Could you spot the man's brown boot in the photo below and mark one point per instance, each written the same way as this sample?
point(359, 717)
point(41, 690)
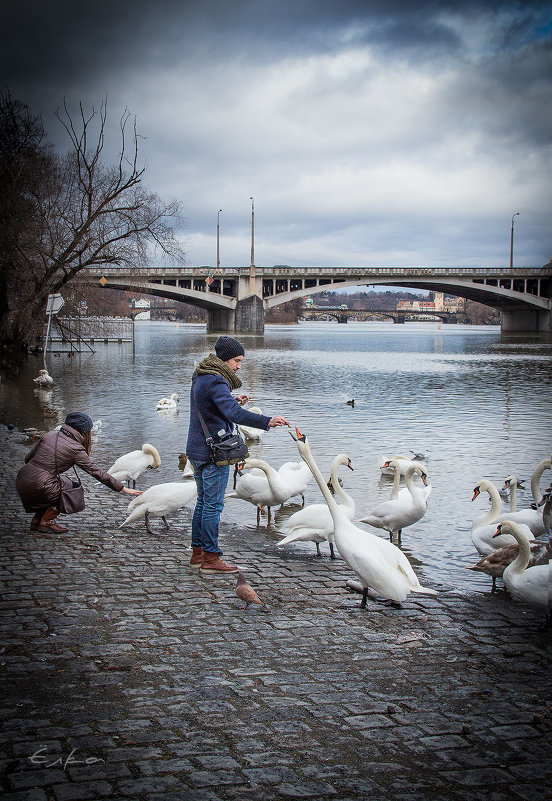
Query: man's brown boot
point(212, 563)
point(197, 557)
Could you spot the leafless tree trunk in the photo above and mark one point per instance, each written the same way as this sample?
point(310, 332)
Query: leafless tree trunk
point(68, 213)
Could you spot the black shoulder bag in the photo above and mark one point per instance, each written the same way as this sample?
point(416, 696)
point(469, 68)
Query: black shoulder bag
point(71, 499)
point(230, 450)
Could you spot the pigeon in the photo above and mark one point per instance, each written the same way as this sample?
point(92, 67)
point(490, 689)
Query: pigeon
point(246, 592)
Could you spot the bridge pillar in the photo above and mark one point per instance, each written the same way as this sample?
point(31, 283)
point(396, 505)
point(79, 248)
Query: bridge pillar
point(528, 320)
point(250, 315)
point(220, 321)
point(343, 318)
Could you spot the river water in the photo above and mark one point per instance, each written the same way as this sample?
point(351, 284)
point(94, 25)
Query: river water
point(475, 402)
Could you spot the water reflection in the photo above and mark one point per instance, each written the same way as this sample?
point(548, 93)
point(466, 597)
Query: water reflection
point(476, 403)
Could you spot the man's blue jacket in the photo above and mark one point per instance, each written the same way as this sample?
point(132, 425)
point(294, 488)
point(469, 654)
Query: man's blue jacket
point(220, 410)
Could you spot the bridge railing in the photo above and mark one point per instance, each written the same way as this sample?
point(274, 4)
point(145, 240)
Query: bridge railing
point(169, 272)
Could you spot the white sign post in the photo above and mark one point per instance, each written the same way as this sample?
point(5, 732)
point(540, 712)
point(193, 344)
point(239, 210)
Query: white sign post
point(54, 305)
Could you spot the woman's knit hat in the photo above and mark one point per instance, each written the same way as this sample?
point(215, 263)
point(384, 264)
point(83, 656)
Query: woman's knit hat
point(79, 421)
point(228, 347)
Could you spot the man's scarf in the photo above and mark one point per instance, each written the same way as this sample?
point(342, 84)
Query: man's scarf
point(212, 365)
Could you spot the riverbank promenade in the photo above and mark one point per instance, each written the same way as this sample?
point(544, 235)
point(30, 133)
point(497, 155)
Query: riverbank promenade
point(126, 674)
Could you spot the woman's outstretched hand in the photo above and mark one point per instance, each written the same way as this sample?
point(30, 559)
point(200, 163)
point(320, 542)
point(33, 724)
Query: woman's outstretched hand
point(129, 491)
point(274, 422)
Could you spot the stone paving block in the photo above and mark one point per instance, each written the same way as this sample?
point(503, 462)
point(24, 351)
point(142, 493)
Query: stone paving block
point(82, 790)
point(307, 790)
point(35, 778)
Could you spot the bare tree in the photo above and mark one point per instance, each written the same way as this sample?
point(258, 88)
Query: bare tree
point(69, 212)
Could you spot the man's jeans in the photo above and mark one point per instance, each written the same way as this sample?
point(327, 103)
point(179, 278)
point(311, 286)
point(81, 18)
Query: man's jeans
point(211, 485)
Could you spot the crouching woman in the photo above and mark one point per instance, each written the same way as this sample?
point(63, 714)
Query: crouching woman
point(38, 482)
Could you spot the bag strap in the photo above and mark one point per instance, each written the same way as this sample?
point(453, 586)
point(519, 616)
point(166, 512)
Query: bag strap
point(55, 459)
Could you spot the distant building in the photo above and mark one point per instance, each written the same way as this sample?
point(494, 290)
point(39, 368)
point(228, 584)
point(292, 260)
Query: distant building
point(141, 304)
point(442, 302)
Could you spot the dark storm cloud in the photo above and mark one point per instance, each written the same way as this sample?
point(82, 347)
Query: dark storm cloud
point(429, 119)
point(43, 43)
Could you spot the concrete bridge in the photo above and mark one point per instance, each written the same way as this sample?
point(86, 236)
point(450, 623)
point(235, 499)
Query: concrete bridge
point(343, 315)
point(236, 298)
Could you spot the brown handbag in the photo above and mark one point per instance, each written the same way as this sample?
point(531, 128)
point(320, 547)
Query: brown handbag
point(71, 499)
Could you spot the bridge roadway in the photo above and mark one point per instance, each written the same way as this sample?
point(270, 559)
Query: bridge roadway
point(237, 297)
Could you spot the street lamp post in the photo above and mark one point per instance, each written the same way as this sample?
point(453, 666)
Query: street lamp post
point(252, 267)
point(512, 241)
point(218, 238)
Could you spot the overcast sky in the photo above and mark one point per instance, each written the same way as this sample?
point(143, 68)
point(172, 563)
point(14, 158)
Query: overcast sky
point(369, 132)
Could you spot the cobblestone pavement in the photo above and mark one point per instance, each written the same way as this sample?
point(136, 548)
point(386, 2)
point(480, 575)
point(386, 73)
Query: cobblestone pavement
point(128, 675)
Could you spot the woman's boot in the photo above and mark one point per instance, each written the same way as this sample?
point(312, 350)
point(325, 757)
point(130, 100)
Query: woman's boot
point(35, 522)
point(48, 523)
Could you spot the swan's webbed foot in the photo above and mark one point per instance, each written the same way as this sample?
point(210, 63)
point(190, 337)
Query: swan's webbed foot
point(493, 588)
point(364, 598)
point(259, 508)
point(302, 500)
point(318, 549)
point(133, 484)
point(164, 519)
point(332, 551)
point(381, 599)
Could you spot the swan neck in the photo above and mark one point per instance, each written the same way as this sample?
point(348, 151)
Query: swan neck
point(339, 491)
point(270, 473)
point(396, 482)
point(319, 478)
point(524, 555)
point(536, 477)
point(496, 505)
point(513, 496)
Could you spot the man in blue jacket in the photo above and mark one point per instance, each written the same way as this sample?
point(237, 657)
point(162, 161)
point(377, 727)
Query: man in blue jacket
point(211, 392)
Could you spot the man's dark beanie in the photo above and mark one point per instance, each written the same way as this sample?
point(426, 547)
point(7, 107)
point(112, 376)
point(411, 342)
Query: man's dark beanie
point(228, 347)
point(79, 421)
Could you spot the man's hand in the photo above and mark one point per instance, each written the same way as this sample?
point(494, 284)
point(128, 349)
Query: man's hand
point(274, 422)
point(242, 399)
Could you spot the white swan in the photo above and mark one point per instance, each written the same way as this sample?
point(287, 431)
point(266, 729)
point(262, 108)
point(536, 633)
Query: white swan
point(296, 475)
point(96, 427)
point(496, 562)
point(529, 517)
point(385, 464)
point(482, 529)
point(159, 501)
point(530, 585)
point(264, 486)
point(164, 404)
point(44, 379)
point(252, 434)
point(314, 523)
point(404, 492)
point(378, 563)
point(406, 509)
point(131, 465)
